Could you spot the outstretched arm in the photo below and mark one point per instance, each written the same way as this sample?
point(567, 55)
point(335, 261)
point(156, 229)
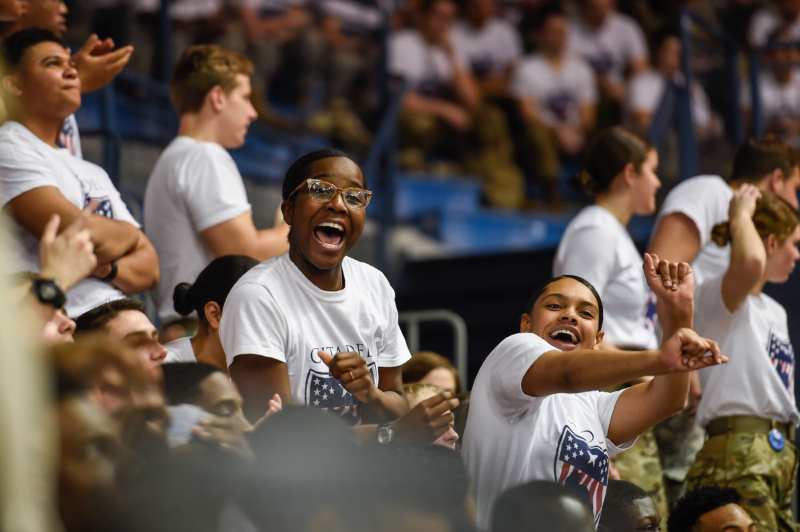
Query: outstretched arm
point(259, 378)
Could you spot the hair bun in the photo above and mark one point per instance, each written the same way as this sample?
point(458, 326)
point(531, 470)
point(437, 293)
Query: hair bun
point(721, 234)
point(583, 182)
point(182, 299)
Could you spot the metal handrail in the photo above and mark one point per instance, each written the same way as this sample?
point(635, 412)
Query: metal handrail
point(414, 318)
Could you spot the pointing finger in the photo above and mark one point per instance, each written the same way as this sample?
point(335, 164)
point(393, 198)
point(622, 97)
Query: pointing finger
point(51, 230)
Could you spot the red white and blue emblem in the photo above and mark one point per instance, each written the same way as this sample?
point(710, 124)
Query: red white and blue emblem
point(584, 467)
point(781, 354)
point(324, 391)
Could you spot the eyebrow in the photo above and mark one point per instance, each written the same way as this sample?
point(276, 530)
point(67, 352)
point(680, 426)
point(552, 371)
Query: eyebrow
point(139, 333)
point(352, 182)
point(562, 296)
point(52, 57)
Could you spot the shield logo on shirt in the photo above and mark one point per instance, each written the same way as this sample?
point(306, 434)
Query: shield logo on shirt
point(584, 467)
point(104, 209)
point(324, 391)
point(781, 354)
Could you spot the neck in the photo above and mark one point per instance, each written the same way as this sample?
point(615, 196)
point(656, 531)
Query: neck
point(207, 347)
point(617, 204)
point(783, 76)
point(330, 280)
point(46, 129)
point(477, 24)
point(554, 57)
point(199, 128)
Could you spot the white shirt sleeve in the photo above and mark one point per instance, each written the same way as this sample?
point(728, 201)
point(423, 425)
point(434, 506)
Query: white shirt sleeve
point(643, 94)
point(253, 324)
point(400, 57)
point(635, 43)
point(590, 255)
point(522, 83)
point(393, 350)
point(606, 402)
point(23, 168)
point(213, 189)
point(514, 357)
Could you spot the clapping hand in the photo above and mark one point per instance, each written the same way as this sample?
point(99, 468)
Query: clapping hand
point(98, 63)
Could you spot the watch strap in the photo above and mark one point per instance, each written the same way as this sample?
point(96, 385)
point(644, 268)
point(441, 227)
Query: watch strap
point(111, 276)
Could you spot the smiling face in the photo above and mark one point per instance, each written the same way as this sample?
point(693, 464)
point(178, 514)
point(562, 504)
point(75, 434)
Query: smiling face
point(46, 83)
point(781, 257)
point(323, 233)
point(645, 185)
point(238, 114)
point(566, 315)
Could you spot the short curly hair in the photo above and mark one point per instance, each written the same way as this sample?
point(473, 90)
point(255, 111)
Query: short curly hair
point(698, 502)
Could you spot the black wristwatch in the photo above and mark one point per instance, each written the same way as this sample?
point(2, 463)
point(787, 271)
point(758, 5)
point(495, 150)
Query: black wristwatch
point(386, 434)
point(111, 276)
point(48, 292)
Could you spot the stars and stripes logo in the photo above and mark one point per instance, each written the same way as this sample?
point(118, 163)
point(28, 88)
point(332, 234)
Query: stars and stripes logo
point(650, 309)
point(66, 139)
point(781, 354)
point(103, 209)
point(583, 467)
point(324, 391)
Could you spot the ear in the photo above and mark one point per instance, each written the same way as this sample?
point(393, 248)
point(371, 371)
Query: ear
point(216, 99)
point(525, 323)
point(213, 314)
point(12, 86)
point(770, 244)
point(287, 208)
point(629, 174)
point(598, 340)
point(774, 181)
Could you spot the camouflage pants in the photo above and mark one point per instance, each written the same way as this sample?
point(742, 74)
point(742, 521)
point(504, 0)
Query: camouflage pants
point(764, 477)
point(641, 465)
point(485, 150)
point(679, 440)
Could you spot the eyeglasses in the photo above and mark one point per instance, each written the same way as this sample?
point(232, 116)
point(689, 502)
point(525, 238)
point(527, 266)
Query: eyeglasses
point(355, 199)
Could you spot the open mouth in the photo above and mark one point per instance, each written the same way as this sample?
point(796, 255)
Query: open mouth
point(564, 339)
point(330, 234)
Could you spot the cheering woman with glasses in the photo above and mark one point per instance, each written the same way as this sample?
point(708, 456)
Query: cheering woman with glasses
point(313, 325)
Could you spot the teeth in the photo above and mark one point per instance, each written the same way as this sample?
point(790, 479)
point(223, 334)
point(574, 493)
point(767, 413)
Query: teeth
point(334, 225)
point(564, 331)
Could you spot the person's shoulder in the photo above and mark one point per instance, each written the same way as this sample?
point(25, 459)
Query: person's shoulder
point(531, 64)
point(777, 310)
point(591, 216)
point(501, 26)
point(702, 184)
point(366, 273)
point(14, 135)
point(405, 37)
point(622, 22)
point(524, 339)
point(576, 63)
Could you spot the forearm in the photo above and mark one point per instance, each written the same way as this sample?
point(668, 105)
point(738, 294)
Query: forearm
point(259, 379)
point(748, 255)
point(112, 239)
point(272, 242)
point(584, 370)
point(466, 88)
point(384, 407)
point(139, 270)
point(640, 407)
point(422, 104)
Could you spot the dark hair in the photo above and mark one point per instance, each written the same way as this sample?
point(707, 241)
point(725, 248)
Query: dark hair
point(698, 502)
point(620, 495)
point(659, 37)
point(297, 173)
point(533, 507)
point(182, 381)
point(97, 318)
point(213, 284)
point(755, 159)
point(426, 5)
point(547, 10)
point(15, 45)
point(608, 155)
point(539, 291)
point(773, 216)
point(423, 363)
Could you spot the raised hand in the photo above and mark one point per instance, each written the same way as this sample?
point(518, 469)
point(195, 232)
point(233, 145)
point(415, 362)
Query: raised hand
point(351, 370)
point(687, 351)
point(98, 63)
point(275, 406)
point(743, 202)
point(68, 257)
point(426, 422)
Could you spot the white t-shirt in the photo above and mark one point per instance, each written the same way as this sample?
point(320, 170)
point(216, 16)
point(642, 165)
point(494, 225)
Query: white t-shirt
point(611, 47)
point(765, 22)
point(180, 350)
point(357, 19)
point(759, 379)
point(426, 69)
point(26, 163)
point(779, 101)
point(512, 438)
point(558, 93)
point(194, 186)
point(705, 200)
point(646, 89)
point(598, 248)
point(70, 138)
point(276, 312)
point(183, 10)
point(488, 50)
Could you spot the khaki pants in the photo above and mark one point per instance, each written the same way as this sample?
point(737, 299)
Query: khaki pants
point(764, 477)
point(485, 150)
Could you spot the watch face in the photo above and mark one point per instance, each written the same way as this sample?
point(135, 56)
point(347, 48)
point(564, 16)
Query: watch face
point(48, 291)
point(385, 435)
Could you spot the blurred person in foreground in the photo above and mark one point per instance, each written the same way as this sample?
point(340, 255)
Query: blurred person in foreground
point(443, 109)
point(195, 205)
point(541, 506)
point(711, 509)
point(628, 508)
point(96, 61)
point(39, 179)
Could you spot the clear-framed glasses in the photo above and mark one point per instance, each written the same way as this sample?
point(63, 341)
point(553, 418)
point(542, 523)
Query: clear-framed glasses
point(320, 191)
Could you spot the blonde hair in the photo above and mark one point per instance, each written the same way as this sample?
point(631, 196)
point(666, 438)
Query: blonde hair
point(773, 216)
point(200, 69)
point(415, 390)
